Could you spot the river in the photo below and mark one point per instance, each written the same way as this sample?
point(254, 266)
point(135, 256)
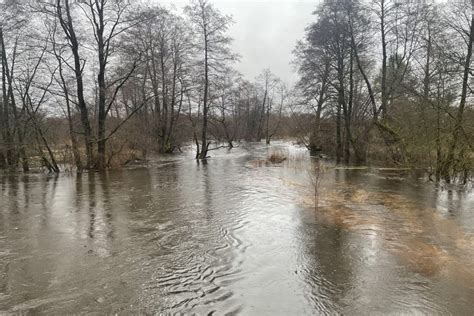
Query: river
point(235, 235)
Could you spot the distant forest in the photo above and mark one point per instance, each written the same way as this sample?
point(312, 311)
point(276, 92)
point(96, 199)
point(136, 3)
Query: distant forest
point(94, 84)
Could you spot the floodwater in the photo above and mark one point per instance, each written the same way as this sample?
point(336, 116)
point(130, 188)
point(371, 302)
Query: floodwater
point(235, 235)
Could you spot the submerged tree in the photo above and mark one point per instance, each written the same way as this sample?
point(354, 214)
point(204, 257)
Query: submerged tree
point(213, 44)
point(405, 102)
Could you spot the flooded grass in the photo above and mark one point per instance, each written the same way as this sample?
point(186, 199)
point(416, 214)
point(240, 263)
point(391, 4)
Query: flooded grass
point(422, 243)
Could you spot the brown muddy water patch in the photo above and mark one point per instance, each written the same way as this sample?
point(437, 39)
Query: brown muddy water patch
point(418, 236)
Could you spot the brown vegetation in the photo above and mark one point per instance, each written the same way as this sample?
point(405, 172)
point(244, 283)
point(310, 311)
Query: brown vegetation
point(276, 158)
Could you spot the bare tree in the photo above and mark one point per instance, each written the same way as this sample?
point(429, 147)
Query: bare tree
point(210, 28)
point(64, 15)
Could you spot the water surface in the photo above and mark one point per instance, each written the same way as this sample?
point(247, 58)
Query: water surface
point(236, 235)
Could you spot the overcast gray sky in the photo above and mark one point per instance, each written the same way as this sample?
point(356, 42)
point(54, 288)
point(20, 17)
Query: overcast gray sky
point(265, 32)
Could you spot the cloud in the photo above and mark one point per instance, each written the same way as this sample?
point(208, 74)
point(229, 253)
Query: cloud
point(265, 32)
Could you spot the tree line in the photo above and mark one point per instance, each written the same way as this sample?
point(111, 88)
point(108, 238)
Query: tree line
point(94, 83)
point(391, 80)
point(85, 81)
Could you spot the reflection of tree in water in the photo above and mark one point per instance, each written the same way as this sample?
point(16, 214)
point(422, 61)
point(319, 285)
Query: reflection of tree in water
point(49, 191)
point(30, 213)
point(192, 255)
point(392, 235)
point(99, 209)
point(346, 264)
point(326, 267)
point(92, 203)
point(4, 252)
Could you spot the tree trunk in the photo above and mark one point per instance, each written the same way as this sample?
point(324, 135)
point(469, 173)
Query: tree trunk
point(449, 166)
point(204, 144)
point(384, 97)
point(314, 143)
point(261, 116)
point(69, 31)
point(101, 127)
point(267, 127)
point(338, 134)
point(7, 135)
point(72, 135)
